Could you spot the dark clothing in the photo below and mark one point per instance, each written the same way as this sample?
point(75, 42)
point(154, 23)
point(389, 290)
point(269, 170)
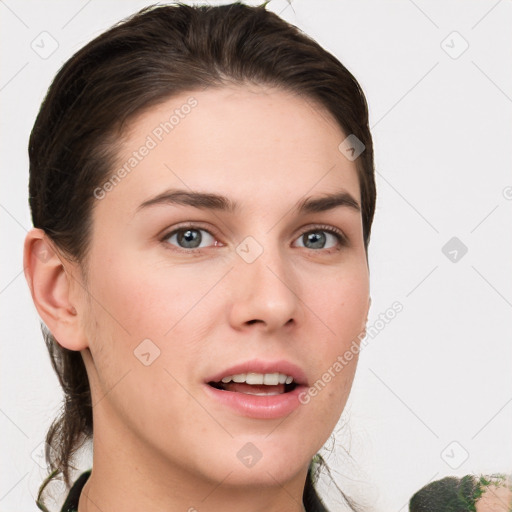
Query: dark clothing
point(71, 503)
point(311, 500)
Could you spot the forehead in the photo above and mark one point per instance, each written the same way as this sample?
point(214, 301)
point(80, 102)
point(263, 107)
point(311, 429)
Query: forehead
point(252, 143)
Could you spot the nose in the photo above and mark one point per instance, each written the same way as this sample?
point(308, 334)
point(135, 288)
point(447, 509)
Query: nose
point(265, 292)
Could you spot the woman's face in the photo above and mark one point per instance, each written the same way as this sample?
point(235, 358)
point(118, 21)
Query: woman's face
point(264, 287)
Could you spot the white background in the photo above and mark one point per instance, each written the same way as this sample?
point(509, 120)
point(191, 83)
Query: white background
point(441, 371)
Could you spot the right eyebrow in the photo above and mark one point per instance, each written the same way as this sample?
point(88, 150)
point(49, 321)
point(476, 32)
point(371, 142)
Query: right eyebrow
point(202, 200)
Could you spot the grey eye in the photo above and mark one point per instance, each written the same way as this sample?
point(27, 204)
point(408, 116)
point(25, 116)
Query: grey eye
point(316, 239)
point(188, 238)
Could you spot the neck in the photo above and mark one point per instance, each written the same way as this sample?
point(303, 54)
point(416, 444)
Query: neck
point(129, 475)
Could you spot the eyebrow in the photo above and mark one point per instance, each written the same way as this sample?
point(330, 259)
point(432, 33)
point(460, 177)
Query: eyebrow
point(210, 201)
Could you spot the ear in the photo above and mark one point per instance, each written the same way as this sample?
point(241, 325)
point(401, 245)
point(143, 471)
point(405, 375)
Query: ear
point(363, 328)
point(49, 283)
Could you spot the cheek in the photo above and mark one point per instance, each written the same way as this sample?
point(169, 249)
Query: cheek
point(342, 305)
point(129, 307)
point(141, 309)
point(326, 399)
point(143, 302)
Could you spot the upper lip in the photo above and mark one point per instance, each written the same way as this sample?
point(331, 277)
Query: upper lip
point(260, 366)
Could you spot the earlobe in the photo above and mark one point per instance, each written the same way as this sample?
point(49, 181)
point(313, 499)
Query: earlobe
point(363, 329)
point(49, 285)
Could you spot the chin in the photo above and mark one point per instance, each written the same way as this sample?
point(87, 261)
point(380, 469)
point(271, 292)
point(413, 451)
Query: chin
point(262, 460)
point(264, 474)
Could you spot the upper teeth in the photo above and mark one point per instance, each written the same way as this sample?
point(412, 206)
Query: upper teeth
point(270, 379)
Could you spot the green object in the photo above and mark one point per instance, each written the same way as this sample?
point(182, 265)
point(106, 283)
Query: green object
point(452, 494)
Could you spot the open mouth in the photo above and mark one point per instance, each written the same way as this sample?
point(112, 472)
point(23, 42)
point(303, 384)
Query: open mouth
point(256, 384)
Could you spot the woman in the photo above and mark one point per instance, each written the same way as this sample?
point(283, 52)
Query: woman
point(202, 193)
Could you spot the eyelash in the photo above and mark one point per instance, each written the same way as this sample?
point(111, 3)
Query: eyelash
point(342, 240)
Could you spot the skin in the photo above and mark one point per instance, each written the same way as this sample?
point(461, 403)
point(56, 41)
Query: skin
point(496, 498)
point(159, 442)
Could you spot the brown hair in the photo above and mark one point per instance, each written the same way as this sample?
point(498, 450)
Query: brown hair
point(159, 52)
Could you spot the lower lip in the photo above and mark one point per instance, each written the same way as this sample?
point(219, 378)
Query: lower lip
point(261, 407)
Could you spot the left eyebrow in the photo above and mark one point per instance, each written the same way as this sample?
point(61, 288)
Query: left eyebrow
point(327, 202)
point(210, 201)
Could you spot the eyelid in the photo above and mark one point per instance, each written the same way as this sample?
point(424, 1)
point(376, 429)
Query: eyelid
point(186, 225)
point(342, 238)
